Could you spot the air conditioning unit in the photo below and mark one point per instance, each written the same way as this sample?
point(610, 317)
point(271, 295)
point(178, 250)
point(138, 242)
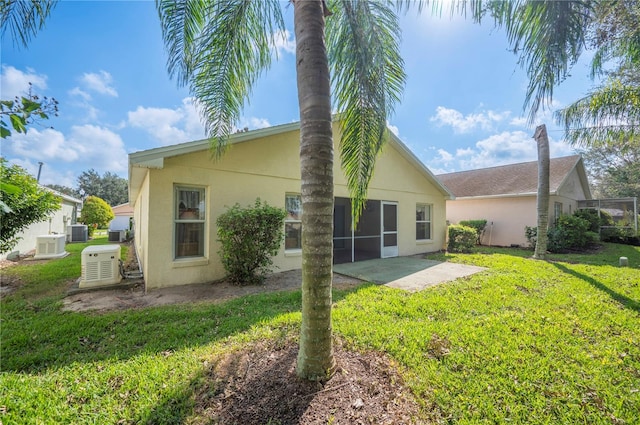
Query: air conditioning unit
point(50, 246)
point(100, 266)
point(77, 233)
point(116, 235)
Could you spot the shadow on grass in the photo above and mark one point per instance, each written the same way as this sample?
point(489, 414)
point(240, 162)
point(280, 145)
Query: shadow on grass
point(36, 337)
point(622, 299)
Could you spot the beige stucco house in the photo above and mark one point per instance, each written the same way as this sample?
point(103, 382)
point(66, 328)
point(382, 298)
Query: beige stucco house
point(506, 196)
point(178, 192)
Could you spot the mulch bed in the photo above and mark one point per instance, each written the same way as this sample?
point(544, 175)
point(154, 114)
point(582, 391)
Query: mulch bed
point(258, 385)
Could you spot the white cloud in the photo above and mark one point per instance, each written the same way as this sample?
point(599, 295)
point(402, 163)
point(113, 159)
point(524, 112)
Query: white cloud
point(169, 126)
point(395, 130)
point(48, 174)
point(253, 123)
point(14, 82)
point(78, 92)
point(466, 123)
point(519, 122)
point(99, 82)
point(87, 146)
point(508, 147)
point(284, 42)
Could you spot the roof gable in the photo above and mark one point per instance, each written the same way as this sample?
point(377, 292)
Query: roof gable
point(513, 179)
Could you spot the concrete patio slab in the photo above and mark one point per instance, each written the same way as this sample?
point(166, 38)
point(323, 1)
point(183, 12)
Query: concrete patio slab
point(408, 273)
point(443, 272)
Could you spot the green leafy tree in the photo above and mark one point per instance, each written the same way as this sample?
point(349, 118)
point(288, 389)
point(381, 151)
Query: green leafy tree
point(25, 111)
point(614, 169)
point(96, 213)
point(110, 187)
point(24, 202)
point(219, 48)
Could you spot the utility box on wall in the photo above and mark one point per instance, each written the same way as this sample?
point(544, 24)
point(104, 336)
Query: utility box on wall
point(100, 266)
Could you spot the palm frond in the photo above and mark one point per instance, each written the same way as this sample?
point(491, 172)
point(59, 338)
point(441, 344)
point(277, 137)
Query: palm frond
point(219, 49)
point(24, 18)
point(609, 114)
point(368, 78)
point(549, 37)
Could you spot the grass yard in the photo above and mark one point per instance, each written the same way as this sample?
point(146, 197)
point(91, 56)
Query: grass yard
point(523, 342)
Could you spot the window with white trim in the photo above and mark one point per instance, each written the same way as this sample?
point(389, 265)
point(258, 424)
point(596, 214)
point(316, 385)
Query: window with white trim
point(189, 221)
point(423, 221)
point(293, 222)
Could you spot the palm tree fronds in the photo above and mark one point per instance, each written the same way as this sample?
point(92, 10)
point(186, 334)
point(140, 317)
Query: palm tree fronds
point(363, 40)
point(24, 18)
point(609, 114)
point(549, 36)
point(219, 48)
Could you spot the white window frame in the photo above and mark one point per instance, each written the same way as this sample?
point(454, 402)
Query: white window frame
point(199, 216)
point(289, 220)
point(429, 221)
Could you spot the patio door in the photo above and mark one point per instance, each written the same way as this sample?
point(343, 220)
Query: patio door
point(389, 227)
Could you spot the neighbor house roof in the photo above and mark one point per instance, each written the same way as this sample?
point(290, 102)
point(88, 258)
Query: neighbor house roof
point(154, 158)
point(514, 179)
point(123, 209)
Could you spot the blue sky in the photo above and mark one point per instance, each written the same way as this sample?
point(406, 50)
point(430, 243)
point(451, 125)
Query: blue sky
point(106, 64)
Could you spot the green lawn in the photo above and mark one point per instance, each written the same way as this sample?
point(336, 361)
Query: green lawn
point(523, 342)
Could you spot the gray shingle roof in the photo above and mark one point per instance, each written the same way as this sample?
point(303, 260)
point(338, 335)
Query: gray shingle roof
point(512, 179)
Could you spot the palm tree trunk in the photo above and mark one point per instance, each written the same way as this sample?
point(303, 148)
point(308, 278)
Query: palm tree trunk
point(543, 191)
point(315, 357)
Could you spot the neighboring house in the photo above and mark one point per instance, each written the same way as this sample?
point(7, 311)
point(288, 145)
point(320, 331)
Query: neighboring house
point(506, 196)
point(179, 191)
point(56, 224)
point(123, 216)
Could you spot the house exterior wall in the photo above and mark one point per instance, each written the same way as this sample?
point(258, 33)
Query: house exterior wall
point(267, 168)
point(141, 224)
point(56, 224)
point(506, 217)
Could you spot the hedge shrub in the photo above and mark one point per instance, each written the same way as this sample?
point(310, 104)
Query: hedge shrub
point(461, 238)
point(250, 237)
point(478, 225)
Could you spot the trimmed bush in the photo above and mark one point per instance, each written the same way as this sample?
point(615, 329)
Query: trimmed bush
point(570, 232)
point(461, 238)
point(478, 225)
point(96, 213)
point(250, 237)
point(531, 233)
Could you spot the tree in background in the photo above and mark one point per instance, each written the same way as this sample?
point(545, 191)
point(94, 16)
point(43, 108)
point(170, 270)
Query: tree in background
point(96, 213)
point(110, 187)
point(24, 203)
point(614, 169)
point(65, 190)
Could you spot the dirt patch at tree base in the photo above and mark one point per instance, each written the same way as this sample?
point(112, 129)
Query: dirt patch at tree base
point(259, 385)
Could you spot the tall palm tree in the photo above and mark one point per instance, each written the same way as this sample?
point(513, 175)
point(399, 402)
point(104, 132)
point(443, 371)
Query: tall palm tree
point(219, 48)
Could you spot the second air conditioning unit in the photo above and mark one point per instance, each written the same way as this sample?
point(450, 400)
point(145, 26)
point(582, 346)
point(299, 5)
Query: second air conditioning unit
point(50, 246)
point(77, 233)
point(100, 266)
